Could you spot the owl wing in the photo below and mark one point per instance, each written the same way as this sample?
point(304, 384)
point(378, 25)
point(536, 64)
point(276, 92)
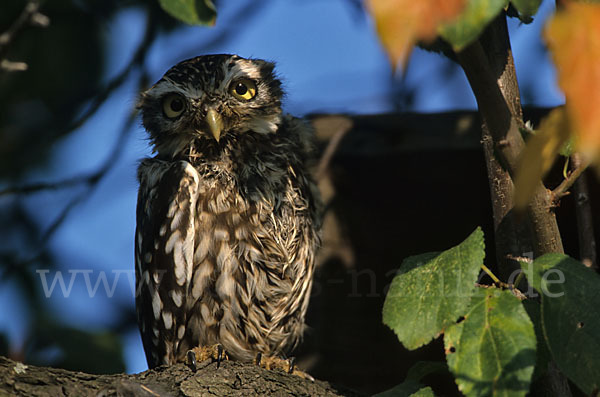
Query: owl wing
point(164, 251)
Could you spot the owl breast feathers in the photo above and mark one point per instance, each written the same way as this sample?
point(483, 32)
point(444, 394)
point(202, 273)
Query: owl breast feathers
point(227, 213)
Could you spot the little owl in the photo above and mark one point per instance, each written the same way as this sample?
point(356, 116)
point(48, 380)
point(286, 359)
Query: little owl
point(227, 214)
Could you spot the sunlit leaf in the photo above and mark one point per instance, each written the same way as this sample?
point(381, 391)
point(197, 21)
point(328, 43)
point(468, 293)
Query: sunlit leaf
point(400, 23)
point(193, 12)
point(568, 148)
point(471, 22)
point(432, 291)
point(492, 351)
point(573, 36)
point(539, 154)
point(570, 319)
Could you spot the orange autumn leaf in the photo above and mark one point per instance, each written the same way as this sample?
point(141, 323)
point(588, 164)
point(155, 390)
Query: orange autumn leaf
point(400, 23)
point(573, 36)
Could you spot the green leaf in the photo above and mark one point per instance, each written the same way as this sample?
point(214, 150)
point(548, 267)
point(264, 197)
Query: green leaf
point(570, 316)
point(492, 351)
point(424, 392)
point(423, 368)
point(527, 8)
point(473, 20)
point(568, 148)
point(432, 291)
point(407, 389)
point(543, 356)
point(193, 12)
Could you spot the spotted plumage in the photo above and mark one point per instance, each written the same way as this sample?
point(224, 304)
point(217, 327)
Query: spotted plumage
point(227, 214)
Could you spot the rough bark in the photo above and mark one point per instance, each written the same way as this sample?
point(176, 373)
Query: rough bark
point(487, 67)
point(512, 236)
point(231, 379)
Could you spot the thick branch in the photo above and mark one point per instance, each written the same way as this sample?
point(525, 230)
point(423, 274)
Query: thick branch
point(512, 236)
point(489, 67)
point(231, 379)
point(484, 70)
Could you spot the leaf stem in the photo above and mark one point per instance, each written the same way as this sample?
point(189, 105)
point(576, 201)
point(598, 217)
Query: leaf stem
point(491, 274)
point(518, 280)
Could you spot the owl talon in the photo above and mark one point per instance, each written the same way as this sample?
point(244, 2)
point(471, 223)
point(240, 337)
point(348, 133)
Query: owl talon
point(220, 354)
point(258, 359)
point(191, 360)
point(292, 363)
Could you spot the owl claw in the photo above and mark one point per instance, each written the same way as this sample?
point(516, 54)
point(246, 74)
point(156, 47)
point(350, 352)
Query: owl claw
point(203, 353)
point(258, 359)
point(220, 354)
point(292, 363)
point(191, 360)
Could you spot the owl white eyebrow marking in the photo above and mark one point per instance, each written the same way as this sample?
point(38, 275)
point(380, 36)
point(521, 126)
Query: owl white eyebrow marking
point(238, 70)
point(168, 86)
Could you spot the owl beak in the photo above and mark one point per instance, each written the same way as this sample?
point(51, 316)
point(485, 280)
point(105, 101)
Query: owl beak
point(215, 123)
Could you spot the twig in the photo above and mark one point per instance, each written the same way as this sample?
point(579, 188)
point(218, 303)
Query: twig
point(30, 16)
point(92, 182)
point(36, 187)
point(331, 148)
point(563, 189)
point(10, 66)
point(136, 61)
point(583, 211)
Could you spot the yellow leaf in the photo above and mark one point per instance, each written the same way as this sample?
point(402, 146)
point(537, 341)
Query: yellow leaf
point(400, 23)
point(539, 154)
point(573, 36)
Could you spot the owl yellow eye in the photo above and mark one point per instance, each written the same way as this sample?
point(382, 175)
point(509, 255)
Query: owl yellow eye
point(173, 105)
point(243, 89)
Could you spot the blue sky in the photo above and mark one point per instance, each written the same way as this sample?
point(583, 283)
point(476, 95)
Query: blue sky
point(329, 59)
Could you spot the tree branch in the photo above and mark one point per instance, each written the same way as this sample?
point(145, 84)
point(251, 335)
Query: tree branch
point(339, 126)
point(485, 70)
point(489, 67)
point(30, 16)
point(231, 379)
point(136, 61)
point(579, 166)
point(583, 211)
point(512, 237)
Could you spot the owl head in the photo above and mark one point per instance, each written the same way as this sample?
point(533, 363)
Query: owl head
point(211, 100)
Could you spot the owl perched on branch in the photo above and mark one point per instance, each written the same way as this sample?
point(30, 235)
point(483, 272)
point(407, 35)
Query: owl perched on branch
point(227, 213)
